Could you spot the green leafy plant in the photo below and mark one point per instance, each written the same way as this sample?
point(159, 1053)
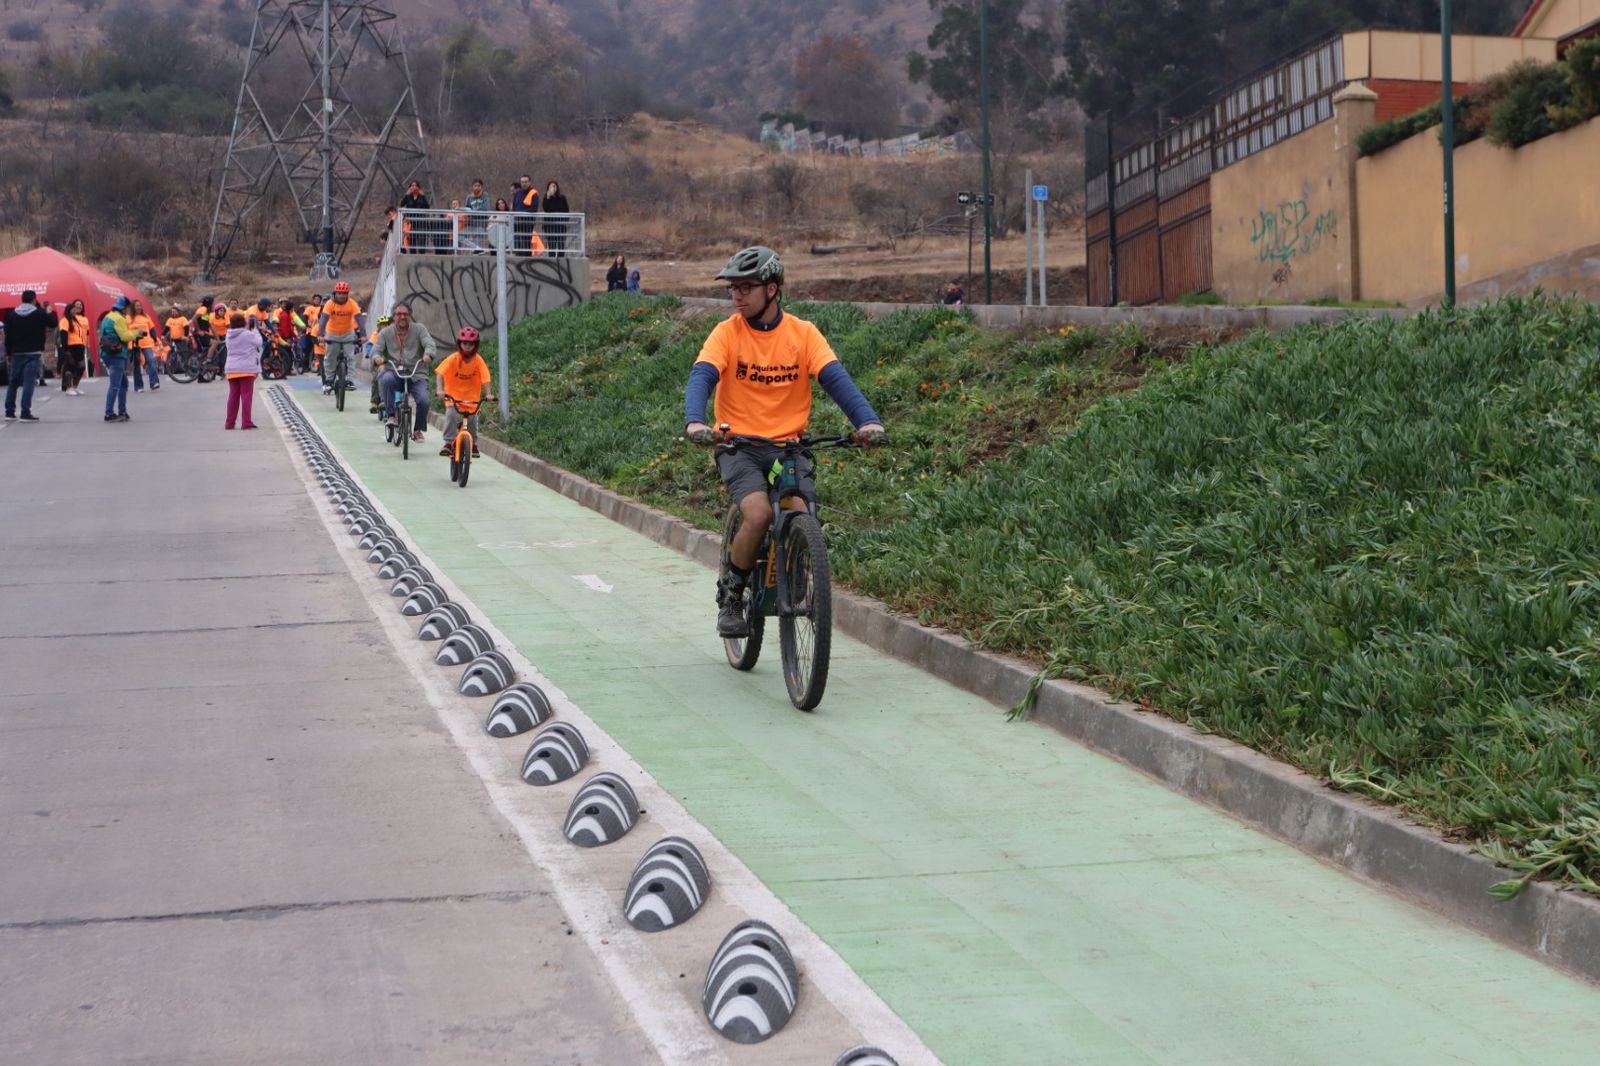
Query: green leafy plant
point(1524, 95)
point(1582, 64)
point(1367, 549)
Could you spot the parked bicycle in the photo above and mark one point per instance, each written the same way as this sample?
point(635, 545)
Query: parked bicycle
point(183, 361)
point(791, 578)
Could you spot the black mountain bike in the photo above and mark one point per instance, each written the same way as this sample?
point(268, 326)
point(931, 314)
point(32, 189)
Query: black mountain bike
point(399, 434)
point(340, 377)
point(790, 578)
point(183, 361)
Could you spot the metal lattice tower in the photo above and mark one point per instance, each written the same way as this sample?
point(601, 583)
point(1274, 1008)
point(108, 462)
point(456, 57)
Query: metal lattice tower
point(331, 155)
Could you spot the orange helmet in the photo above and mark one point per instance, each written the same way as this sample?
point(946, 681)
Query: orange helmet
point(341, 288)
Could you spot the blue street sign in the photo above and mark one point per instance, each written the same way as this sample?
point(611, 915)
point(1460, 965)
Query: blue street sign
point(1041, 192)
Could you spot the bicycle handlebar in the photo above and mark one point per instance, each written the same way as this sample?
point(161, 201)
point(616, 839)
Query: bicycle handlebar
point(461, 405)
point(726, 441)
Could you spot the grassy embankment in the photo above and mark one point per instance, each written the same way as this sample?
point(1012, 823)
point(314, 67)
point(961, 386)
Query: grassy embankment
point(1369, 550)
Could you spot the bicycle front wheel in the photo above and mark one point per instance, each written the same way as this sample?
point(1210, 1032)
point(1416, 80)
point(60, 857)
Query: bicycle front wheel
point(742, 652)
point(338, 385)
point(805, 627)
point(180, 366)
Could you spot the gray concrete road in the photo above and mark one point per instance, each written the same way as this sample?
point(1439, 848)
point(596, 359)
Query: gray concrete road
point(232, 832)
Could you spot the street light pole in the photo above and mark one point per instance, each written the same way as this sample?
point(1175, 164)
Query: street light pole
point(988, 197)
point(1447, 111)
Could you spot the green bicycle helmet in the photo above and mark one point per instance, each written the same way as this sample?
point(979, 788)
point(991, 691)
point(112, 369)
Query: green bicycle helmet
point(756, 263)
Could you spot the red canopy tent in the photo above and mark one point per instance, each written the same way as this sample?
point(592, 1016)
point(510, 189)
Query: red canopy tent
point(59, 279)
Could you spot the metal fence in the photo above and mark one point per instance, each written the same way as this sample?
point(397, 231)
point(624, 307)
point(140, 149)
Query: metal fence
point(460, 232)
point(1162, 207)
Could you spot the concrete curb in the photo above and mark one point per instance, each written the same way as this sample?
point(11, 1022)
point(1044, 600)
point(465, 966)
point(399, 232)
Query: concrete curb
point(1370, 841)
point(1015, 316)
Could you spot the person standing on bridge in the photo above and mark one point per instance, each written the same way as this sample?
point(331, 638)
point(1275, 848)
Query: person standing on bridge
point(405, 347)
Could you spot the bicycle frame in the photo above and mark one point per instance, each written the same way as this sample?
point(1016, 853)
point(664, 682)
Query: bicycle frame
point(772, 552)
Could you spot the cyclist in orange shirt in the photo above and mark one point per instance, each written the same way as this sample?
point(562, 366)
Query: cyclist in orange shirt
point(340, 327)
point(464, 377)
point(761, 361)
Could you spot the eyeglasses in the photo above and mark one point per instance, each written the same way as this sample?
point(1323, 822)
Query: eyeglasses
point(744, 288)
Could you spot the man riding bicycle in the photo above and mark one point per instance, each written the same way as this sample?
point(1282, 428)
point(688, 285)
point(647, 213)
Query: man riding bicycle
point(405, 347)
point(340, 326)
point(463, 378)
point(761, 361)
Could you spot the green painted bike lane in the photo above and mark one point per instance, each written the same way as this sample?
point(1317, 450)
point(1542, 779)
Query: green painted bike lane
point(1015, 898)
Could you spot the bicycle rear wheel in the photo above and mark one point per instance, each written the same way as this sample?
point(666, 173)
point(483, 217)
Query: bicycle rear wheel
point(742, 652)
point(805, 633)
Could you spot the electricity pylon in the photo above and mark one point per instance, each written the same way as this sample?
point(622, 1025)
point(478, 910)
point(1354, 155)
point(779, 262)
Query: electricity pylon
point(331, 151)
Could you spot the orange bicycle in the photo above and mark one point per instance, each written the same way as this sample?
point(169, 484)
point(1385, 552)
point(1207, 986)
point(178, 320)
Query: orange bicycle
point(466, 444)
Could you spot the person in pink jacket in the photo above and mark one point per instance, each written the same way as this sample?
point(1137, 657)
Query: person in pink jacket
point(244, 363)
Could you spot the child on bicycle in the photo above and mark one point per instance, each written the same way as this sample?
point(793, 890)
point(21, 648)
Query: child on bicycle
point(377, 363)
point(463, 378)
point(761, 361)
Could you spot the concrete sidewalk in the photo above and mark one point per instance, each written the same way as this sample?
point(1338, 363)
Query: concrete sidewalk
point(233, 832)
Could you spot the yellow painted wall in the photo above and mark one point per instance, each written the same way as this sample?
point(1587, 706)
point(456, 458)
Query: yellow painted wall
point(1514, 207)
point(1419, 57)
point(1280, 221)
point(1556, 18)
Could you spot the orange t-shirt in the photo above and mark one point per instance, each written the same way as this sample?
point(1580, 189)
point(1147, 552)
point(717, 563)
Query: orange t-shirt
point(341, 317)
point(764, 377)
point(463, 381)
point(76, 334)
point(177, 327)
point(143, 322)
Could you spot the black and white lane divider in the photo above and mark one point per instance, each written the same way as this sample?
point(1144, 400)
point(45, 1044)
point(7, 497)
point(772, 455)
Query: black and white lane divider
point(667, 887)
point(558, 751)
point(464, 644)
point(486, 675)
point(751, 988)
point(865, 1055)
point(518, 709)
point(603, 809)
point(442, 621)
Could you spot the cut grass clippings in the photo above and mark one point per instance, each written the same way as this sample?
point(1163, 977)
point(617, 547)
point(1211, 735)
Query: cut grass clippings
point(1368, 549)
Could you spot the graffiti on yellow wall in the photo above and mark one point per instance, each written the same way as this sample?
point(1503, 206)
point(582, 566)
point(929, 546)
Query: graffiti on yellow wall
point(1289, 230)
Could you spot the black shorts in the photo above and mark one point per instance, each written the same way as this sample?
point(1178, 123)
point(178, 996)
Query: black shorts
point(745, 471)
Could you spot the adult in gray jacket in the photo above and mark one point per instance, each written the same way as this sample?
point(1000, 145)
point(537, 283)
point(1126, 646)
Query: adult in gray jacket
point(405, 348)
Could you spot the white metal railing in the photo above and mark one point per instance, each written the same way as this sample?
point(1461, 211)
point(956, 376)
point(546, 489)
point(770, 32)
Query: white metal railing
point(454, 231)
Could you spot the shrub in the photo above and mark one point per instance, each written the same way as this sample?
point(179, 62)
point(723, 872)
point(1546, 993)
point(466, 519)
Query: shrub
point(24, 31)
point(1470, 119)
point(165, 108)
point(1582, 63)
point(1524, 95)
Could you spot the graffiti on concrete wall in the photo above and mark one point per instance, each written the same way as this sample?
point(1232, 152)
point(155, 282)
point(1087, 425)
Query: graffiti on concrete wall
point(448, 292)
point(1289, 230)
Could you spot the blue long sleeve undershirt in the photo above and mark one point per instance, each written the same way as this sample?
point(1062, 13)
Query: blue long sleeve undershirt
point(834, 378)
